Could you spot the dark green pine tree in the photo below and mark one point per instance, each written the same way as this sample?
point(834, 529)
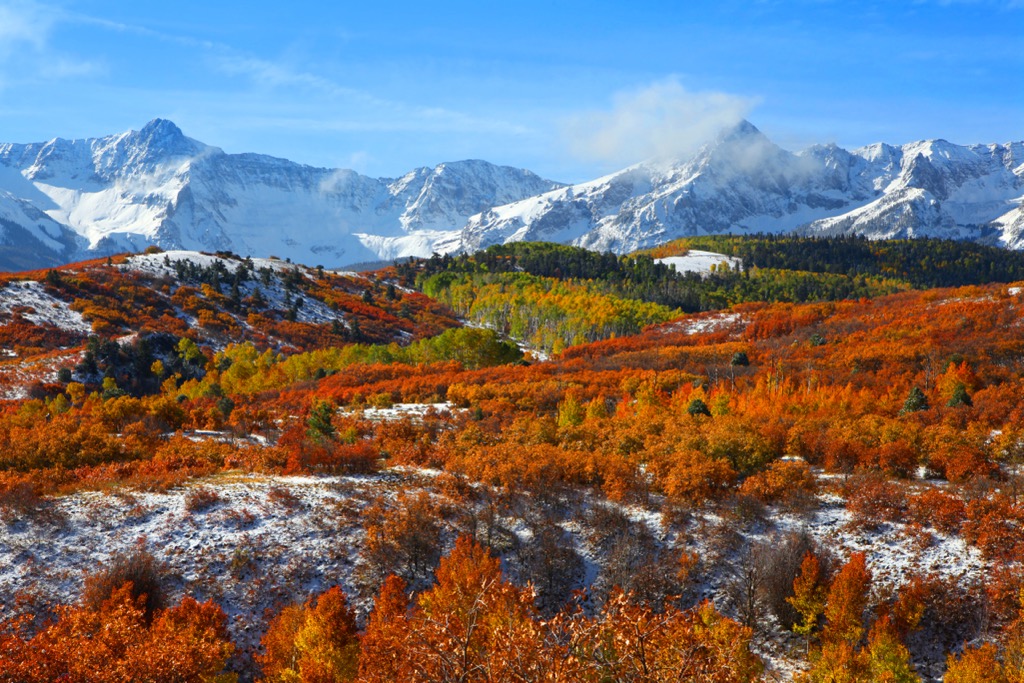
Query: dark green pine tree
point(915, 401)
point(960, 397)
point(698, 407)
point(319, 425)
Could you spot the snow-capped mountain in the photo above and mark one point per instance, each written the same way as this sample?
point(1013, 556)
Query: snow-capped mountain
point(66, 200)
point(742, 183)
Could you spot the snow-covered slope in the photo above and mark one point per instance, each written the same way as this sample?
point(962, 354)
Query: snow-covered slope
point(696, 261)
point(935, 188)
point(66, 200)
point(742, 182)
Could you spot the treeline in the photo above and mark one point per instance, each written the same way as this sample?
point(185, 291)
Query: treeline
point(242, 368)
point(545, 312)
point(921, 263)
point(799, 269)
point(641, 277)
point(552, 296)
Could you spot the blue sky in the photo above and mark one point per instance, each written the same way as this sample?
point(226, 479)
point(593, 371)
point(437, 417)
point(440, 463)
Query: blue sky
point(567, 89)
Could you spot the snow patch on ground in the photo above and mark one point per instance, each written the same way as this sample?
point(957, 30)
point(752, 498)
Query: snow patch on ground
point(266, 541)
point(35, 304)
point(401, 411)
point(702, 324)
point(311, 311)
point(894, 551)
point(695, 261)
point(16, 376)
point(162, 263)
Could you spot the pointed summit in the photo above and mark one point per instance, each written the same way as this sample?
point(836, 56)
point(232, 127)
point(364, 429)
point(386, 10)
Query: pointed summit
point(743, 149)
point(739, 132)
point(161, 127)
point(162, 138)
point(743, 128)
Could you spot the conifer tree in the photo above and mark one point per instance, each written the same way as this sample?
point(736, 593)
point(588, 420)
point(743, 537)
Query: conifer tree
point(960, 396)
point(320, 425)
point(915, 402)
point(698, 407)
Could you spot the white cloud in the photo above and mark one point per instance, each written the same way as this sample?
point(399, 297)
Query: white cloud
point(658, 121)
point(275, 75)
point(23, 24)
point(359, 160)
point(342, 108)
point(62, 67)
point(338, 181)
point(27, 52)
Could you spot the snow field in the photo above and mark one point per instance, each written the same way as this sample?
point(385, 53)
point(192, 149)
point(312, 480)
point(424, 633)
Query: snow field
point(400, 411)
point(695, 261)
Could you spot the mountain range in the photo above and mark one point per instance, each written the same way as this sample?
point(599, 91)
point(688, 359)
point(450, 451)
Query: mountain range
point(66, 200)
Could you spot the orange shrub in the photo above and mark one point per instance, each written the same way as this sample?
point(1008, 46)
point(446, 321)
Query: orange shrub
point(938, 509)
point(874, 500)
point(785, 482)
point(188, 643)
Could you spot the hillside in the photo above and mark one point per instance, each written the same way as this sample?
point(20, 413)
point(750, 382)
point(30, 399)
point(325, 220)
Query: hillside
point(551, 296)
point(151, 304)
point(858, 455)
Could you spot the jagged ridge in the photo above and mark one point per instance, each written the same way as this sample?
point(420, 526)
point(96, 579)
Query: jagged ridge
point(75, 199)
point(744, 183)
point(66, 200)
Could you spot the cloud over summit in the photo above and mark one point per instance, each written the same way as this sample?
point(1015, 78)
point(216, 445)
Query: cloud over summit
point(661, 120)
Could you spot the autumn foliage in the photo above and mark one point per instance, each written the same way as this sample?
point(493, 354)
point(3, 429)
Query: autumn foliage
point(316, 642)
point(642, 406)
point(475, 626)
point(116, 643)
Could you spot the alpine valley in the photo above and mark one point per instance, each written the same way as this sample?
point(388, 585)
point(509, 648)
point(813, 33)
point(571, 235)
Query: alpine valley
point(68, 200)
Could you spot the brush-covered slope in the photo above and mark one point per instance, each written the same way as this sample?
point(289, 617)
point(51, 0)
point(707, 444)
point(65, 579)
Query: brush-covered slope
point(49, 319)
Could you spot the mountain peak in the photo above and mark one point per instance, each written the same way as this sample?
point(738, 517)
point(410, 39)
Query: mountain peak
point(735, 143)
point(158, 186)
point(740, 131)
point(161, 127)
point(162, 137)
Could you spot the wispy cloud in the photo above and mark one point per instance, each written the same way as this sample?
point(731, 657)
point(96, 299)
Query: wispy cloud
point(271, 74)
point(23, 25)
point(144, 31)
point(58, 68)
point(29, 53)
point(343, 108)
point(663, 119)
point(26, 49)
